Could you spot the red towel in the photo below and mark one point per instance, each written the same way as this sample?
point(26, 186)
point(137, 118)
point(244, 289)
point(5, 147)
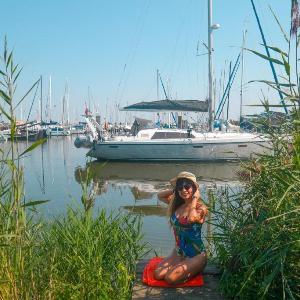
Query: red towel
point(148, 276)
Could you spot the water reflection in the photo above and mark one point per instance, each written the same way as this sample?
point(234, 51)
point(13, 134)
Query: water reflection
point(145, 179)
point(147, 210)
point(213, 171)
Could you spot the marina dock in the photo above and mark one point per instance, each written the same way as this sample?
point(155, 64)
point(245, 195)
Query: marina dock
point(208, 291)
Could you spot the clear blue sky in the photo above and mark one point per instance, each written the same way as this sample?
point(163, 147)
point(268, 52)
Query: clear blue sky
point(113, 48)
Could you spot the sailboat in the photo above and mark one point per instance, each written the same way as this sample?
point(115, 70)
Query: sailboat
point(55, 129)
point(166, 144)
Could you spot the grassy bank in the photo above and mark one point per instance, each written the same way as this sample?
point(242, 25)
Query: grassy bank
point(76, 256)
point(257, 241)
point(82, 255)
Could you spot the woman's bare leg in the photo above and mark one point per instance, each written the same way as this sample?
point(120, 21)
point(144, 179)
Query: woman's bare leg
point(166, 264)
point(186, 269)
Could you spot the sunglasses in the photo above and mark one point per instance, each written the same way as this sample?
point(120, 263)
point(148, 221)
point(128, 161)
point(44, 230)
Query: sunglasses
point(184, 185)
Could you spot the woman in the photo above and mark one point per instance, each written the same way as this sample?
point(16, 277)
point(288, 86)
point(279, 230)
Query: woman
point(187, 213)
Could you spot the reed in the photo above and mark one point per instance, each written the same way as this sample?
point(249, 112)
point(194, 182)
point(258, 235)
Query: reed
point(257, 237)
point(15, 226)
point(86, 257)
point(257, 232)
point(82, 255)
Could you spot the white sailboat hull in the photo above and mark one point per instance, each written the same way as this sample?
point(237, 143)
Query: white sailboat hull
point(220, 147)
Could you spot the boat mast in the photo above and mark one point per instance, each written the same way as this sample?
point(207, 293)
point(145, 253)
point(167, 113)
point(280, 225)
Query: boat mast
point(50, 104)
point(68, 108)
point(41, 99)
point(210, 69)
point(64, 106)
point(157, 84)
point(242, 75)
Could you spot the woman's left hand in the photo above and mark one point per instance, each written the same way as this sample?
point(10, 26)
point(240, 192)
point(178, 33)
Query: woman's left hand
point(202, 211)
point(199, 208)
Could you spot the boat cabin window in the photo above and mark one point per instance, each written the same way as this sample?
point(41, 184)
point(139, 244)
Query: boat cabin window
point(171, 135)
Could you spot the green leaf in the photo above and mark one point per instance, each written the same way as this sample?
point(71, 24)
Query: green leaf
point(27, 92)
point(9, 59)
point(12, 128)
point(274, 83)
point(5, 97)
point(285, 193)
point(5, 48)
point(34, 145)
point(278, 50)
point(270, 105)
point(287, 66)
point(14, 69)
point(8, 236)
point(16, 77)
point(274, 60)
point(276, 88)
point(292, 98)
point(281, 28)
point(2, 73)
point(5, 113)
point(34, 203)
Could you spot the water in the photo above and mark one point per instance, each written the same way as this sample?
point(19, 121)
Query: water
point(55, 171)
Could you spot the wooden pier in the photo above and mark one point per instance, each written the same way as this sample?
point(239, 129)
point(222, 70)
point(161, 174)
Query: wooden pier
point(208, 291)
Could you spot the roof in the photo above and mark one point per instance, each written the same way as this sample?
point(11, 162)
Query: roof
point(169, 105)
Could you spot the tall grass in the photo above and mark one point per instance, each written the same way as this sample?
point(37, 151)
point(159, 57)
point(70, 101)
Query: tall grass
point(85, 257)
point(82, 255)
point(257, 236)
point(257, 240)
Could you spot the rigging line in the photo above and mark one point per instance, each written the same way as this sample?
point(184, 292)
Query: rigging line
point(178, 37)
point(181, 25)
point(163, 87)
point(37, 86)
point(132, 53)
point(169, 62)
point(135, 49)
point(126, 61)
point(228, 87)
point(171, 58)
point(227, 98)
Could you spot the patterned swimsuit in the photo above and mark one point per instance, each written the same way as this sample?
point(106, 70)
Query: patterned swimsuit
point(187, 237)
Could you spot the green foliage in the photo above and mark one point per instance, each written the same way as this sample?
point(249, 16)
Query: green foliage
point(257, 229)
point(84, 257)
point(77, 256)
point(257, 237)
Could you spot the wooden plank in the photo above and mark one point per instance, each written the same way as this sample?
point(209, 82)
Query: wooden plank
point(208, 291)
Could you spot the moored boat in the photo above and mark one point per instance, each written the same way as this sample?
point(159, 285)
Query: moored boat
point(57, 131)
point(179, 145)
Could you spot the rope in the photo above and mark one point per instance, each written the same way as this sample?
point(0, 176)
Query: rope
point(37, 86)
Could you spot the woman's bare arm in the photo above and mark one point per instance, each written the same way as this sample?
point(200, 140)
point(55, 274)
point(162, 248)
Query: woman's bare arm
point(166, 195)
point(200, 209)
